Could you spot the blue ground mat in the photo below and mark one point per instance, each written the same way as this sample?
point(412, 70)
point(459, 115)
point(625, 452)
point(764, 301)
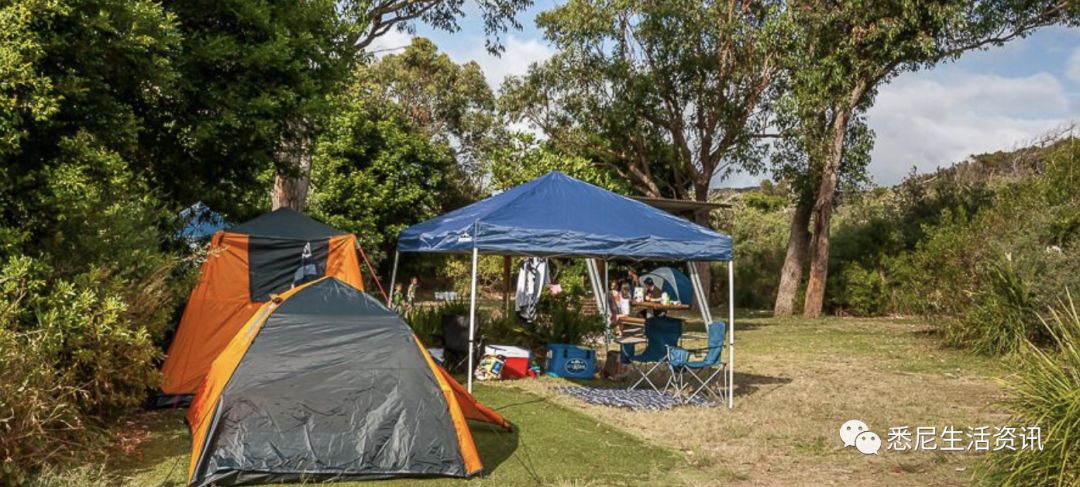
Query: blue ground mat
point(635, 399)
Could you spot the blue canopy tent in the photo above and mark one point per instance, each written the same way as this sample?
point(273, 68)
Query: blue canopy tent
point(557, 215)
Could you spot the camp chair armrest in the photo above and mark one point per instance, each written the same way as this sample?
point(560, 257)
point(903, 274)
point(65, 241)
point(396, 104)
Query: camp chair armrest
point(704, 349)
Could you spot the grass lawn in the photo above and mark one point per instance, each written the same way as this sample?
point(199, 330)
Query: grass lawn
point(797, 382)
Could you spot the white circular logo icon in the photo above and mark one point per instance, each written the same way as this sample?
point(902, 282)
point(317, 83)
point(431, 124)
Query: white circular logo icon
point(868, 443)
point(851, 429)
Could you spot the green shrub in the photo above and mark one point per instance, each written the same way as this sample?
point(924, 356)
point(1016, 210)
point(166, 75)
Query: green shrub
point(1001, 316)
point(1045, 393)
point(859, 291)
point(560, 319)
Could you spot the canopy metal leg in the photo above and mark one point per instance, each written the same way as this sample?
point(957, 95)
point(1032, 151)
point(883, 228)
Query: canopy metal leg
point(606, 311)
point(731, 333)
point(393, 278)
point(472, 320)
point(701, 295)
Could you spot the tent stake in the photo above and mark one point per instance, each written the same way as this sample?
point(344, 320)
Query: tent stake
point(472, 319)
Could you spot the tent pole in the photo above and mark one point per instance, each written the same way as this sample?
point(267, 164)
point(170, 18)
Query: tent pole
point(731, 333)
point(506, 285)
point(606, 311)
point(393, 278)
point(472, 320)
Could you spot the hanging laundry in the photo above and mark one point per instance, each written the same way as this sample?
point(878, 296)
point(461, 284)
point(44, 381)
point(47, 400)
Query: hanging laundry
point(532, 278)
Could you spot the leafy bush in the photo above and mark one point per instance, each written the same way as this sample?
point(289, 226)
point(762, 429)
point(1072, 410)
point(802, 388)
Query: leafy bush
point(1046, 393)
point(426, 322)
point(560, 319)
point(1001, 317)
point(88, 294)
point(74, 356)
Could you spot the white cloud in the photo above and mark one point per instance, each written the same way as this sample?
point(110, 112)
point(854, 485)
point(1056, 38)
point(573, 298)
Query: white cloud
point(927, 120)
point(1072, 66)
point(519, 54)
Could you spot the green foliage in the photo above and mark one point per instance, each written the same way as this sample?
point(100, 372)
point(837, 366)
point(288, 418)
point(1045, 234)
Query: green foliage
point(761, 235)
point(560, 319)
point(525, 159)
point(1001, 316)
point(252, 78)
point(1045, 392)
point(426, 321)
point(450, 103)
point(75, 355)
point(977, 248)
point(667, 94)
point(374, 176)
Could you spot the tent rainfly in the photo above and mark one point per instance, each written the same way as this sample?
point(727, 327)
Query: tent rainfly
point(244, 266)
point(556, 215)
point(324, 382)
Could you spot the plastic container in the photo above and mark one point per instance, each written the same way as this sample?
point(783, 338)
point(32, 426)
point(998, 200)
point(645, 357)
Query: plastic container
point(570, 361)
point(516, 363)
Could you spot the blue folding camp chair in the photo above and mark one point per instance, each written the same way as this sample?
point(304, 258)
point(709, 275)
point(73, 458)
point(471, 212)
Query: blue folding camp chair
point(661, 333)
point(696, 373)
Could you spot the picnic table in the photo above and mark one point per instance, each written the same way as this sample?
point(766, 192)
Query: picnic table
point(655, 306)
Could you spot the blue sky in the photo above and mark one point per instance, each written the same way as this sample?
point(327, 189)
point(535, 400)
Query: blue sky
point(986, 101)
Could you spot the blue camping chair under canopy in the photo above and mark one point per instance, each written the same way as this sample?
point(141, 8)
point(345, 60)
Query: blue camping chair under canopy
point(661, 333)
point(557, 215)
point(699, 375)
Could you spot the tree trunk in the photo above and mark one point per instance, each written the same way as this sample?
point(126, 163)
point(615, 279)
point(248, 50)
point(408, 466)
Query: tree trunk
point(823, 208)
point(293, 176)
point(703, 218)
point(794, 259)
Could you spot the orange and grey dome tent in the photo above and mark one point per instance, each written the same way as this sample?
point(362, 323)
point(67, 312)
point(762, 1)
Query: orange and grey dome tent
point(324, 382)
point(244, 266)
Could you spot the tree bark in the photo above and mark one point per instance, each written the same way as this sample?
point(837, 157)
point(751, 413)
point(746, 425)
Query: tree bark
point(822, 213)
point(795, 258)
point(293, 176)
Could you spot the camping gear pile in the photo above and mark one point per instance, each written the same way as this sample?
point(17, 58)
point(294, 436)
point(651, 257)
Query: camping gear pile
point(300, 376)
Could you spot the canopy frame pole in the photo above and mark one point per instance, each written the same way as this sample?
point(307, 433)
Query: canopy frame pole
point(596, 284)
point(472, 319)
point(393, 279)
point(607, 310)
point(506, 285)
point(699, 291)
point(731, 333)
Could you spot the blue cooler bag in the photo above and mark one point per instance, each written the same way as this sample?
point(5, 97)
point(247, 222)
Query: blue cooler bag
point(570, 361)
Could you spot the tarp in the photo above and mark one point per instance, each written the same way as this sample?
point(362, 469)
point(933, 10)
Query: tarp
point(243, 267)
point(559, 215)
point(324, 382)
point(198, 222)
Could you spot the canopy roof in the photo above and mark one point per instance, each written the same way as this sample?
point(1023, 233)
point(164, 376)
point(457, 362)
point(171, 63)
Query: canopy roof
point(559, 215)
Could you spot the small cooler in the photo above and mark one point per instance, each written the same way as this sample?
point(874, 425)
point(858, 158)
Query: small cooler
point(516, 365)
point(570, 361)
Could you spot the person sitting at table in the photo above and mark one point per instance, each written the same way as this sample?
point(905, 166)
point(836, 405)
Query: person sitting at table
point(652, 293)
point(619, 298)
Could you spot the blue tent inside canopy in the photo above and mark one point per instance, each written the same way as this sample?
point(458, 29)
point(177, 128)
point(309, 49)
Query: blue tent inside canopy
point(559, 215)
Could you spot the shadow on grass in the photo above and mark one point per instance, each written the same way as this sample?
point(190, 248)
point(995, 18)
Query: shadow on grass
point(747, 384)
point(494, 444)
